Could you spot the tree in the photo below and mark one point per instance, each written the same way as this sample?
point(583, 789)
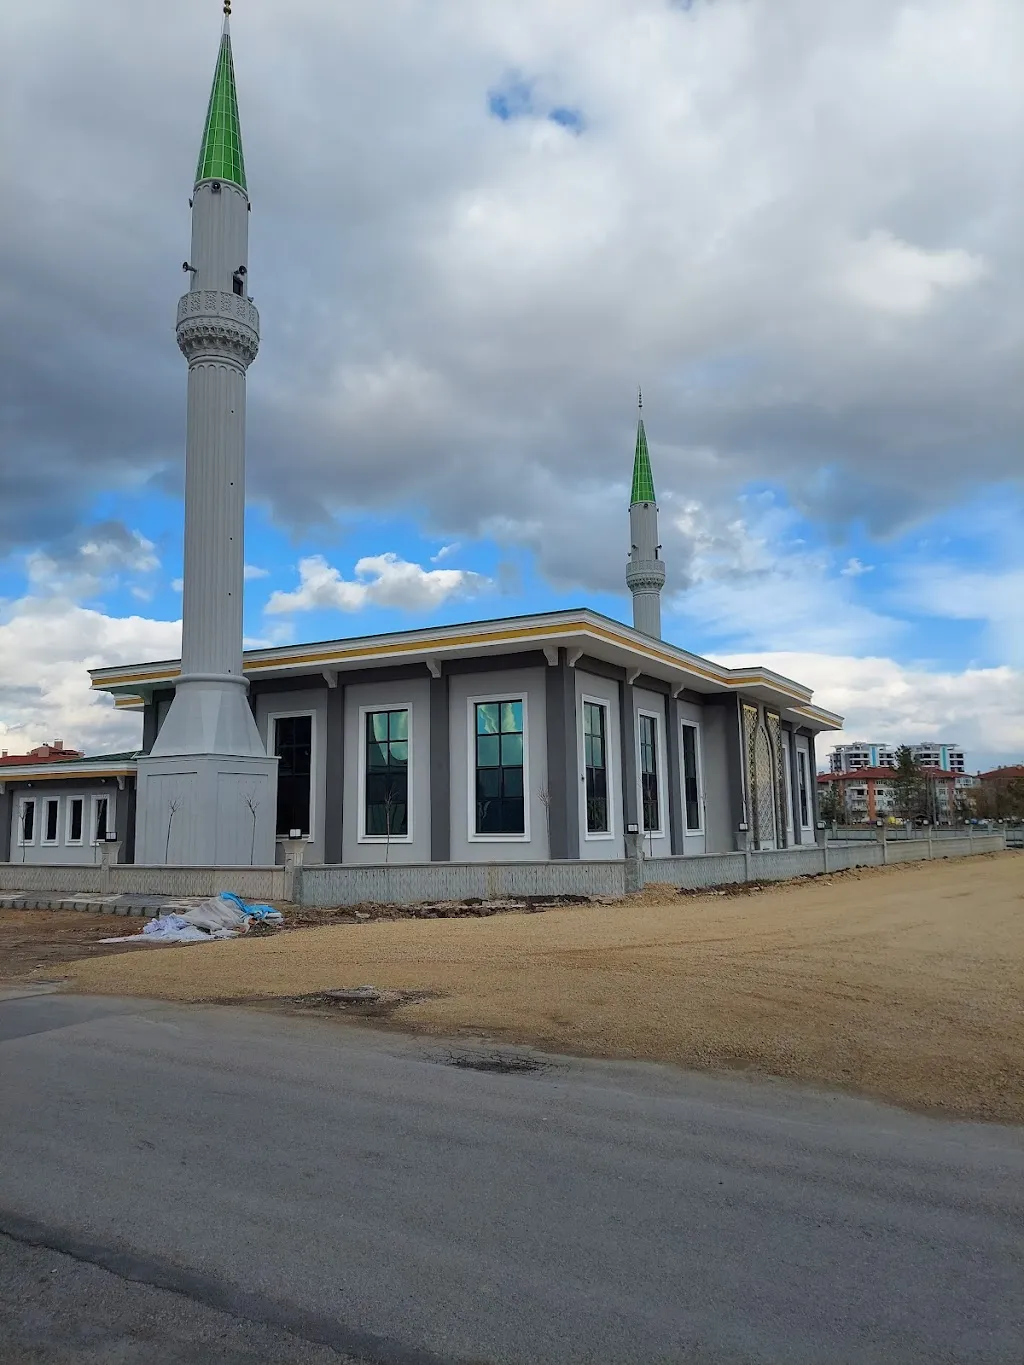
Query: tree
point(1001, 799)
point(831, 806)
point(909, 786)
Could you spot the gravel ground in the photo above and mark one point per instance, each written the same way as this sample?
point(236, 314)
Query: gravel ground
point(902, 982)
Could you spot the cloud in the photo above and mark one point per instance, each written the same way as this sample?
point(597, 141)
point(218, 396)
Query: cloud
point(981, 709)
point(46, 648)
point(104, 555)
point(457, 307)
point(381, 580)
point(853, 568)
point(445, 551)
point(254, 571)
point(891, 276)
point(752, 581)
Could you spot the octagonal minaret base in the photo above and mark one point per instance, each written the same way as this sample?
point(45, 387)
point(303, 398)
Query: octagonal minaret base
point(206, 810)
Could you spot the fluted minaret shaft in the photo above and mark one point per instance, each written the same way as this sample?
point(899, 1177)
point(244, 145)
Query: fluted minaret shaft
point(218, 333)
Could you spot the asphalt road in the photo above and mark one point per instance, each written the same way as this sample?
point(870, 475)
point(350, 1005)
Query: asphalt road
point(273, 1189)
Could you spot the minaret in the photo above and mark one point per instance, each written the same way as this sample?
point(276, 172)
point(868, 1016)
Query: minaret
point(645, 573)
point(207, 791)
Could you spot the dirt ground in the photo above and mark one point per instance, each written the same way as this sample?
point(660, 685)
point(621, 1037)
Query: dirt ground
point(904, 982)
point(35, 944)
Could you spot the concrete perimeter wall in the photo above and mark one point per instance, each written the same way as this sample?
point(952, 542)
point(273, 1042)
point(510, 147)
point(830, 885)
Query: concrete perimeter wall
point(410, 883)
point(253, 883)
point(459, 881)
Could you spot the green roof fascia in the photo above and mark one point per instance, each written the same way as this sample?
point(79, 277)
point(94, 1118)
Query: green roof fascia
point(643, 479)
point(220, 157)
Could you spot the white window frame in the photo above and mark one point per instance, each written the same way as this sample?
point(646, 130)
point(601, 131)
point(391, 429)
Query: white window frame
point(22, 803)
point(363, 837)
point(698, 755)
point(605, 704)
point(94, 814)
point(68, 803)
point(659, 758)
point(43, 840)
point(513, 694)
point(314, 758)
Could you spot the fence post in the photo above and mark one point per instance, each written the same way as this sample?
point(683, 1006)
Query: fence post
point(109, 854)
point(634, 862)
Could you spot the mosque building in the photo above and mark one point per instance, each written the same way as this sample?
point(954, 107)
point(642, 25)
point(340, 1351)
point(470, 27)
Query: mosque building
point(564, 735)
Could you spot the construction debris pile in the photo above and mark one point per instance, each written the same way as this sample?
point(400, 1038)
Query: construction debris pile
point(225, 916)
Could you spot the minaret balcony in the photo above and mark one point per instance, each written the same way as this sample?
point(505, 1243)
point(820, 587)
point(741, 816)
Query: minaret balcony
point(645, 575)
point(213, 321)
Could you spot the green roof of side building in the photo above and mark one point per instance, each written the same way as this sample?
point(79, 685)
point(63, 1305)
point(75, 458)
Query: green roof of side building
point(220, 157)
point(643, 479)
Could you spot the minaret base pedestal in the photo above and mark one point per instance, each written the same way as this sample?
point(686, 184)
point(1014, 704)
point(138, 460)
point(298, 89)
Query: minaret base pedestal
point(207, 794)
point(206, 810)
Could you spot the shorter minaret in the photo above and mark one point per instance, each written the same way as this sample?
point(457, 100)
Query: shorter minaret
point(645, 573)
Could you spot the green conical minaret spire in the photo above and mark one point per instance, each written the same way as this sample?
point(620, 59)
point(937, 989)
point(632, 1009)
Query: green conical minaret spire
point(221, 155)
point(643, 479)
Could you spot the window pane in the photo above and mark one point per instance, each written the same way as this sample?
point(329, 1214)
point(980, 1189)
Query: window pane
point(51, 821)
point(398, 724)
point(488, 751)
point(376, 755)
point(512, 781)
point(512, 751)
point(511, 816)
point(691, 784)
point(101, 818)
point(487, 718)
point(511, 717)
point(76, 820)
point(399, 753)
point(597, 750)
point(28, 821)
point(378, 724)
point(488, 784)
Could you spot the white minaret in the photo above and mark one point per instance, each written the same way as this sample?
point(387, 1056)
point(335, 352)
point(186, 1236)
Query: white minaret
point(207, 791)
point(645, 572)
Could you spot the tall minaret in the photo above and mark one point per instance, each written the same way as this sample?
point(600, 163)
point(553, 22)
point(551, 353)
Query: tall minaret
point(645, 573)
point(220, 784)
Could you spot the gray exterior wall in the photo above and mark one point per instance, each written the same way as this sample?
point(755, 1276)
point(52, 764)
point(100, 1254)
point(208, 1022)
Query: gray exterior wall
point(313, 700)
point(723, 780)
point(606, 690)
point(120, 817)
point(381, 696)
point(530, 683)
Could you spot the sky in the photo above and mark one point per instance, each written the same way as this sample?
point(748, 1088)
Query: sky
point(476, 229)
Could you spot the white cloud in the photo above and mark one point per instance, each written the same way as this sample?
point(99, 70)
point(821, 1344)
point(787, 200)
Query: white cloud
point(254, 571)
point(381, 580)
point(46, 648)
point(445, 551)
point(981, 709)
point(753, 582)
point(177, 585)
point(883, 273)
point(853, 568)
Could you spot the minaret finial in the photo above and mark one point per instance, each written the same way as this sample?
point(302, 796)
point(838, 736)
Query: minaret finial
point(640, 400)
point(227, 9)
